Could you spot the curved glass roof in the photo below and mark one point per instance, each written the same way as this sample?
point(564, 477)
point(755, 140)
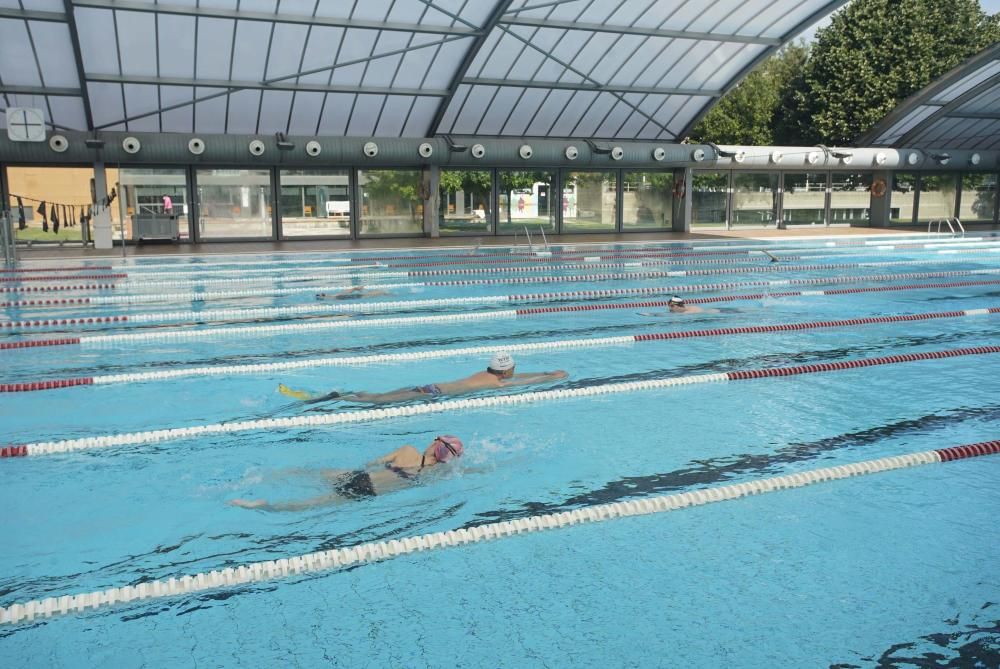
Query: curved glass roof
point(961, 110)
point(616, 69)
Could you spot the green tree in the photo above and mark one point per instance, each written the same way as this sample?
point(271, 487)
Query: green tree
point(872, 56)
point(747, 114)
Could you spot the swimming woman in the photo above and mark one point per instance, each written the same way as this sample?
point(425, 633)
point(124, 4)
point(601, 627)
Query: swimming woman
point(399, 469)
point(354, 293)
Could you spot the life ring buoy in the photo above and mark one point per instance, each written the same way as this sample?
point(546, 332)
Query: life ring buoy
point(878, 188)
point(679, 189)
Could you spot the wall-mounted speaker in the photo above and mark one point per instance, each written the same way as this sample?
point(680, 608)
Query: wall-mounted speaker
point(314, 148)
point(257, 148)
point(478, 150)
point(58, 143)
point(425, 150)
point(196, 146)
point(131, 145)
point(370, 149)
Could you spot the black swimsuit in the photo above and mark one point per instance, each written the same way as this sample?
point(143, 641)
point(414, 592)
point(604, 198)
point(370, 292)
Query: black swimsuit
point(358, 485)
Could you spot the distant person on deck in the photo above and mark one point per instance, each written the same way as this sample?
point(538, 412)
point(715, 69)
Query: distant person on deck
point(355, 293)
point(499, 374)
point(168, 205)
point(402, 468)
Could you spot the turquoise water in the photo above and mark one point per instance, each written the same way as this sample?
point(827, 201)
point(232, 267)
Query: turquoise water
point(894, 569)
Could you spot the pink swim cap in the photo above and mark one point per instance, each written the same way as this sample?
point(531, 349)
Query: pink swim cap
point(447, 446)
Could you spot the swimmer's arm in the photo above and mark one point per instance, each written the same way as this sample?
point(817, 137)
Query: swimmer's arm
point(311, 503)
point(390, 457)
point(538, 377)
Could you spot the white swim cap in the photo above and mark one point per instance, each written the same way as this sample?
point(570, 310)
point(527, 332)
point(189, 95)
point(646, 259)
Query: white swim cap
point(501, 362)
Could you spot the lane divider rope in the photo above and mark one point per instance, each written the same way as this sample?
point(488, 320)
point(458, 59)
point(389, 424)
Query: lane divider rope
point(418, 320)
point(90, 268)
point(82, 277)
point(344, 361)
point(364, 415)
point(55, 289)
point(350, 556)
point(388, 305)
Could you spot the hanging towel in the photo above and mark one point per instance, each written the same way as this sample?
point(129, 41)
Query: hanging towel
point(41, 212)
point(21, 221)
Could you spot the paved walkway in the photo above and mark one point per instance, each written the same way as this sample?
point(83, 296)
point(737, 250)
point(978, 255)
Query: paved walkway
point(44, 252)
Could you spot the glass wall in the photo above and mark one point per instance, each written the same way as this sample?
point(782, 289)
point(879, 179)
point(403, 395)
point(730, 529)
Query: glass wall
point(52, 200)
point(590, 201)
point(647, 200)
point(525, 200)
point(464, 202)
point(755, 198)
point(390, 202)
point(805, 198)
point(315, 203)
point(234, 203)
point(143, 207)
point(938, 194)
point(979, 198)
point(709, 198)
point(904, 197)
point(851, 198)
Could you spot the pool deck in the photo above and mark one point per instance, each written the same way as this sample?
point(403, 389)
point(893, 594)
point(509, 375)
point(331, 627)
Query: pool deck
point(306, 246)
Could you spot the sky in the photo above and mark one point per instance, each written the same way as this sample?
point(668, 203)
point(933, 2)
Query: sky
point(809, 34)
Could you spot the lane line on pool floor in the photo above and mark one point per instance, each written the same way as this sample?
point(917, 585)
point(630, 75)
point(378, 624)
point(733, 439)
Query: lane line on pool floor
point(364, 415)
point(344, 361)
point(191, 333)
point(378, 551)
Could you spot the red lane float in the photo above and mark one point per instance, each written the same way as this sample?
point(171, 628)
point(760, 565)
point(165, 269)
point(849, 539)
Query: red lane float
point(83, 277)
point(7, 346)
point(65, 321)
point(103, 268)
point(46, 303)
point(45, 385)
point(14, 452)
point(53, 289)
point(968, 451)
point(857, 364)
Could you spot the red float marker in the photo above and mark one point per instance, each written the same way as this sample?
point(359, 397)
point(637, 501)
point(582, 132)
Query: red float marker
point(9, 345)
point(84, 277)
point(94, 268)
point(53, 289)
point(968, 451)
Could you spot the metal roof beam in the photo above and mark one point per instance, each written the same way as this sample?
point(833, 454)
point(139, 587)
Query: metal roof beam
point(597, 88)
point(41, 90)
point(986, 116)
point(260, 85)
point(463, 67)
point(244, 15)
point(32, 15)
point(634, 30)
point(947, 110)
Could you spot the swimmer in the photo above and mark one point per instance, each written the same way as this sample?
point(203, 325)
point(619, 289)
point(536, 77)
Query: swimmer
point(677, 305)
point(355, 293)
point(403, 467)
point(773, 257)
point(499, 374)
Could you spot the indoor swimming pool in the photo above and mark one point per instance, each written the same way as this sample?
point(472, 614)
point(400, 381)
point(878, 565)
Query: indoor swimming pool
point(654, 508)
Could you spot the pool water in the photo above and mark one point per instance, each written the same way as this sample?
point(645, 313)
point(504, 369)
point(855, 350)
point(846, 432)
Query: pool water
point(892, 569)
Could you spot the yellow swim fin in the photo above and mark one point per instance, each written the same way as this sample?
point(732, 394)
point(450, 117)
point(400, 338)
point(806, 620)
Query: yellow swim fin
point(303, 395)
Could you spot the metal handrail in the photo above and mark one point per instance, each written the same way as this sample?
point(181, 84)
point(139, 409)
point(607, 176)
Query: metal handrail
point(528, 235)
point(947, 221)
point(8, 239)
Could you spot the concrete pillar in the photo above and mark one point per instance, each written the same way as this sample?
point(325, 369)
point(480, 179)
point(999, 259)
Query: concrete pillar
point(881, 207)
point(102, 213)
point(430, 186)
point(682, 206)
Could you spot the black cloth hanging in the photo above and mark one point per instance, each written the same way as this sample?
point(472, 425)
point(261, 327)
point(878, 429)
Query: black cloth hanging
point(67, 216)
point(111, 198)
point(54, 217)
point(21, 221)
point(41, 212)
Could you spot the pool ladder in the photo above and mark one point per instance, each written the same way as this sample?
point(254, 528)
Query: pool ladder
point(528, 236)
point(948, 222)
